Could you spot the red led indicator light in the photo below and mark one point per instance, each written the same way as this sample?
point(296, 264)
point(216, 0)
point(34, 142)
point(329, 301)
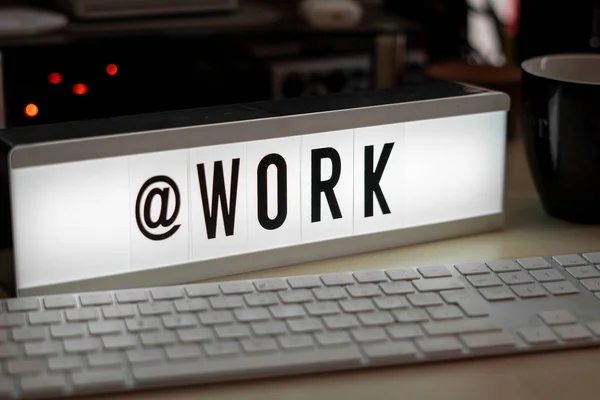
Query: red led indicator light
point(112, 69)
point(55, 78)
point(31, 110)
point(80, 88)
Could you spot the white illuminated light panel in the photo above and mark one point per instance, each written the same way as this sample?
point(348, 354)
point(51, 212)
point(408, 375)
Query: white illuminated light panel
point(151, 218)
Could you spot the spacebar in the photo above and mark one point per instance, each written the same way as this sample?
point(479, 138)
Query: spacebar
point(234, 368)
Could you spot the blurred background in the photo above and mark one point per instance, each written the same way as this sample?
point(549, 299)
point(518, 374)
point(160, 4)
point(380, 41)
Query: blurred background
point(68, 60)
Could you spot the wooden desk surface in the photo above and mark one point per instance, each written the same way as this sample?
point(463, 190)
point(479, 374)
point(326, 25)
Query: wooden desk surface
point(528, 232)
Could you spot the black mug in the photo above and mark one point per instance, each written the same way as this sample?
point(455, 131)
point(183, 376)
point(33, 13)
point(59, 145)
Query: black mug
point(561, 127)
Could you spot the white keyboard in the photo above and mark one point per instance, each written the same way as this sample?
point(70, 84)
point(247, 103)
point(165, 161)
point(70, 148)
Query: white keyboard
point(192, 334)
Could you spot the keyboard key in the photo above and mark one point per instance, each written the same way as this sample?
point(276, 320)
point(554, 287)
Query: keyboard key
point(24, 304)
point(304, 282)
point(9, 350)
point(533, 263)
point(572, 332)
point(263, 364)
point(391, 352)
point(81, 315)
point(376, 318)
point(45, 385)
point(166, 293)
point(438, 271)
point(364, 335)
point(557, 317)
point(472, 268)
point(357, 305)
point(263, 345)
point(10, 320)
point(366, 290)
point(158, 338)
point(503, 266)
point(148, 356)
point(105, 379)
point(215, 317)
point(202, 290)
point(412, 315)
point(131, 296)
point(323, 308)
point(330, 293)
point(104, 360)
point(135, 325)
point(333, 338)
point(442, 346)
point(489, 340)
point(391, 302)
point(113, 312)
point(569, 260)
point(190, 305)
point(404, 331)
point(497, 293)
point(402, 274)
point(236, 287)
point(226, 302)
point(547, 275)
point(261, 299)
point(305, 325)
point(296, 342)
point(57, 302)
point(592, 257)
point(157, 308)
point(454, 296)
point(425, 299)
point(561, 288)
point(179, 321)
point(445, 312)
point(81, 345)
point(296, 296)
point(289, 311)
point(119, 342)
point(483, 281)
point(45, 318)
point(529, 290)
point(399, 287)
point(183, 352)
point(515, 278)
point(370, 276)
point(586, 271)
point(437, 285)
point(106, 327)
point(24, 367)
point(538, 335)
point(95, 299)
point(591, 284)
point(28, 334)
point(67, 330)
point(252, 314)
point(232, 331)
point(269, 328)
point(37, 349)
point(270, 285)
point(341, 321)
point(193, 335)
point(337, 279)
point(594, 326)
point(453, 327)
point(221, 349)
point(65, 363)
point(474, 308)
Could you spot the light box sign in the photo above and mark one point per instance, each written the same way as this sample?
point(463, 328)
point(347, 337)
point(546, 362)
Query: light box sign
point(190, 212)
